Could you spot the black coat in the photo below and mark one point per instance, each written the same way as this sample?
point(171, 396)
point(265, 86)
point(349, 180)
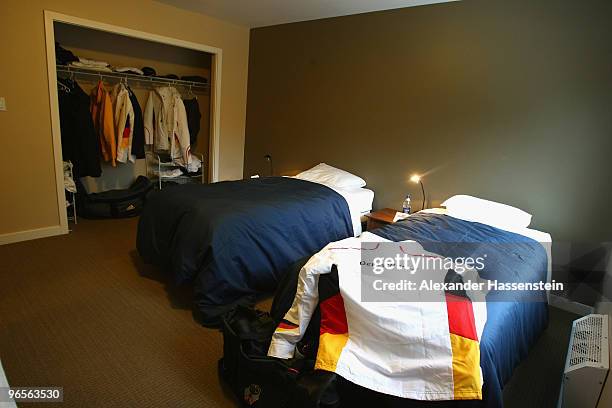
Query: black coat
point(79, 141)
point(138, 138)
point(193, 119)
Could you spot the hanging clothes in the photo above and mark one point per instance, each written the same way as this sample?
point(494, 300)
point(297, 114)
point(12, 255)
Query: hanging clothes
point(165, 123)
point(79, 142)
point(138, 140)
point(192, 107)
point(101, 108)
point(124, 119)
point(69, 184)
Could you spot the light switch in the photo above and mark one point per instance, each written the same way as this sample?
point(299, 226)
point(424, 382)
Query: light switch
point(2, 103)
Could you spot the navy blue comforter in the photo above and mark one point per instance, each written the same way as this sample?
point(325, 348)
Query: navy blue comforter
point(235, 239)
point(512, 326)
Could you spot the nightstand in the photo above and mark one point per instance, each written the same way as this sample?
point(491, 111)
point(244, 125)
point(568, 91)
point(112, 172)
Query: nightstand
point(380, 218)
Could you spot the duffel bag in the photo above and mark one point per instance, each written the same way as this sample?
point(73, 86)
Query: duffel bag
point(260, 381)
point(114, 203)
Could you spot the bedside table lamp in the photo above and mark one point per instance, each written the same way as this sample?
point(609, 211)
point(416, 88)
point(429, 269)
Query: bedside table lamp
point(268, 158)
point(417, 179)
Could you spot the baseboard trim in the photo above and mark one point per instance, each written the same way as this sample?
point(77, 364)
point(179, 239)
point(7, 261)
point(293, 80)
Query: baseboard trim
point(28, 235)
point(569, 305)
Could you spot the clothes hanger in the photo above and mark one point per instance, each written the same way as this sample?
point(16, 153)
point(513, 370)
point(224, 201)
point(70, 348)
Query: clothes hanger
point(127, 86)
point(191, 94)
point(65, 83)
point(63, 87)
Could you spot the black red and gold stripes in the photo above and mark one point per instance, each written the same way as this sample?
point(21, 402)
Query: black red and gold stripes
point(333, 333)
point(285, 325)
point(464, 343)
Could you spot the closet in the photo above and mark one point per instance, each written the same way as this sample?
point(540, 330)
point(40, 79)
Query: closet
point(184, 73)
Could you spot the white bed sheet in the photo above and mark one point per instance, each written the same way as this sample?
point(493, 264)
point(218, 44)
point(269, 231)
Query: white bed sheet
point(359, 201)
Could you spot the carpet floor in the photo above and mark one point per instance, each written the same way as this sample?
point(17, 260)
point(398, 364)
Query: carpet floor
point(81, 311)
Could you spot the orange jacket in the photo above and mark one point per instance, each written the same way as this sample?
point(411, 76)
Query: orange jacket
point(102, 114)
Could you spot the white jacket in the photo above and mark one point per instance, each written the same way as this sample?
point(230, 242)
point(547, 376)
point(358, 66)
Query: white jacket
point(425, 350)
point(124, 122)
point(165, 123)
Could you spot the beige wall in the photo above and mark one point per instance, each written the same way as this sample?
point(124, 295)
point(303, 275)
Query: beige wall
point(510, 100)
point(28, 182)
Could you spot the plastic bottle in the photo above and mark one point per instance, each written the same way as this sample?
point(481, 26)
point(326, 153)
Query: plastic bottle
point(406, 205)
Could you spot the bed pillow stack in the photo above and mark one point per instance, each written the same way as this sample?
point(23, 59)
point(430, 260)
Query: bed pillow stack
point(331, 176)
point(487, 212)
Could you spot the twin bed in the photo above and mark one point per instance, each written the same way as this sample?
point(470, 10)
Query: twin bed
point(234, 241)
point(515, 254)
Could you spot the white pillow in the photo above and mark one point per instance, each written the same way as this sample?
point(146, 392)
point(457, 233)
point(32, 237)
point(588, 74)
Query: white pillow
point(486, 212)
point(325, 174)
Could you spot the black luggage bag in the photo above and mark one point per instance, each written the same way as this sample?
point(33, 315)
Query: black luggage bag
point(261, 381)
point(114, 203)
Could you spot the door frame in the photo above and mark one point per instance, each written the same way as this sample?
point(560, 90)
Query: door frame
point(52, 17)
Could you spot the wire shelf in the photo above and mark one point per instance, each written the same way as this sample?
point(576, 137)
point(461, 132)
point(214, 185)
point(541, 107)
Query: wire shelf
point(202, 86)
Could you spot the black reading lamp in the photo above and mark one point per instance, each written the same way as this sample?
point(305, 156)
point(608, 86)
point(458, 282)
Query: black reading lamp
point(417, 179)
point(268, 158)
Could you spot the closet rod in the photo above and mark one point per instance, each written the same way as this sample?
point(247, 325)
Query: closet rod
point(119, 75)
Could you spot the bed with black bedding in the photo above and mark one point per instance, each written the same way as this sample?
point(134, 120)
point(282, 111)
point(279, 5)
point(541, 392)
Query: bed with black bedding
point(234, 240)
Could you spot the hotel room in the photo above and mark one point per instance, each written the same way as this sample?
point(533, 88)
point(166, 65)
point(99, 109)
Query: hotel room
point(394, 203)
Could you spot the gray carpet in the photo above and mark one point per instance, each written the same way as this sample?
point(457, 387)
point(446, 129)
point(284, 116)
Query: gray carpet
point(81, 311)
point(536, 381)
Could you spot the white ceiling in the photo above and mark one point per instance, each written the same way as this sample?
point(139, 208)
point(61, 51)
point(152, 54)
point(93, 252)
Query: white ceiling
point(259, 13)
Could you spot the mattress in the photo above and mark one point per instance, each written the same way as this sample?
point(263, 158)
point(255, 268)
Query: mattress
point(359, 201)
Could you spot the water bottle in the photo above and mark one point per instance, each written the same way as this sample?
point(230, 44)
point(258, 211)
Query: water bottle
point(406, 205)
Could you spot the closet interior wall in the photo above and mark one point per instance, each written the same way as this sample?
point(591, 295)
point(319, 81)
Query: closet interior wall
point(119, 50)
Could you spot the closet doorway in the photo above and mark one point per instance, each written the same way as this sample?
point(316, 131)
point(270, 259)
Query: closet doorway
point(192, 69)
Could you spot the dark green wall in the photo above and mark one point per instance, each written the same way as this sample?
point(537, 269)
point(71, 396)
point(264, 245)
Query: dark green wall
point(508, 100)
